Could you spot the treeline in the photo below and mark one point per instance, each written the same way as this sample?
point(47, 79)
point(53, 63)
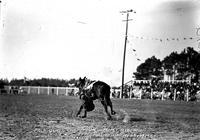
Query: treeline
point(181, 65)
point(39, 82)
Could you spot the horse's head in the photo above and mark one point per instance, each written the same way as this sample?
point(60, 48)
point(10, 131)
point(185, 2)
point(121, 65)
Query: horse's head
point(81, 83)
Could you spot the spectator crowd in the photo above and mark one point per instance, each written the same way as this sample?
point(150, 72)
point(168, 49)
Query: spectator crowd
point(161, 90)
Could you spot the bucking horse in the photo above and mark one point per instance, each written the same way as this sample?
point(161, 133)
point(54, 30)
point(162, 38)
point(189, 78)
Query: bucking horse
point(90, 92)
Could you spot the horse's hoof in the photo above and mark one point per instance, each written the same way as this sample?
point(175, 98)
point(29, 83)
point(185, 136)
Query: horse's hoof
point(109, 118)
point(82, 116)
point(113, 112)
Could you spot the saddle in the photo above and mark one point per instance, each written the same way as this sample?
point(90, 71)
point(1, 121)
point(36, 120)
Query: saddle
point(89, 106)
point(89, 94)
point(88, 102)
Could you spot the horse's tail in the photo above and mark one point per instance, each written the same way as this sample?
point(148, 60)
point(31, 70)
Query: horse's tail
point(107, 90)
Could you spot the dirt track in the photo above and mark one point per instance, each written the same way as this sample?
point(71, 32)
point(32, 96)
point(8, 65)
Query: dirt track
point(52, 117)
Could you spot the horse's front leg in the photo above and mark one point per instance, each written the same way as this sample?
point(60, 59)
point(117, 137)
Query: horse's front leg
point(82, 107)
point(85, 113)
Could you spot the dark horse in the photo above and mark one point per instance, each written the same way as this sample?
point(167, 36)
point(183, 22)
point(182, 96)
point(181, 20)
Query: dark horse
point(96, 90)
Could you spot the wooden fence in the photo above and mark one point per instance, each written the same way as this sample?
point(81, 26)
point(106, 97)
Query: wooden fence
point(42, 90)
point(135, 93)
point(68, 91)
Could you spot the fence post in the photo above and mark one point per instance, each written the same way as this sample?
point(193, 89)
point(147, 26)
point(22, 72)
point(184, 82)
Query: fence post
point(130, 94)
point(66, 93)
point(121, 94)
point(48, 90)
point(174, 94)
point(162, 94)
point(57, 91)
point(111, 91)
point(38, 90)
point(151, 93)
point(141, 94)
point(187, 95)
point(29, 89)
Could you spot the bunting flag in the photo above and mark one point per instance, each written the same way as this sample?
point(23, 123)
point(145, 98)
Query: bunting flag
point(135, 53)
point(197, 38)
point(178, 39)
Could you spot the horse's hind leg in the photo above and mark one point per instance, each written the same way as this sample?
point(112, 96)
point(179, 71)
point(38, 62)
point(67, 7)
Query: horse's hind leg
point(111, 107)
point(104, 103)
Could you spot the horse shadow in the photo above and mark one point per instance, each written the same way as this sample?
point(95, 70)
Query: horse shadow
point(128, 117)
point(137, 119)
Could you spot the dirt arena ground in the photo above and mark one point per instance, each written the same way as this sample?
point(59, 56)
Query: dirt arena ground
point(53, 117)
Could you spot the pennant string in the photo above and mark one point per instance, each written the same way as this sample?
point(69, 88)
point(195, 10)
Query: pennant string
point(167, 39)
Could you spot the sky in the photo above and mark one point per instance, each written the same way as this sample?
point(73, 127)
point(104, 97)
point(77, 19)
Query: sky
point(75, 38)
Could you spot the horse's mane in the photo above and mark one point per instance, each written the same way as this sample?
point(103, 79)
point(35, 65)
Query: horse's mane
point(85, 82)
point(88, 83)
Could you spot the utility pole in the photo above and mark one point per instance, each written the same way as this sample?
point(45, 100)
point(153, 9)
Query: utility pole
point(0, 10)
point(123, 67)
point(1, 20)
